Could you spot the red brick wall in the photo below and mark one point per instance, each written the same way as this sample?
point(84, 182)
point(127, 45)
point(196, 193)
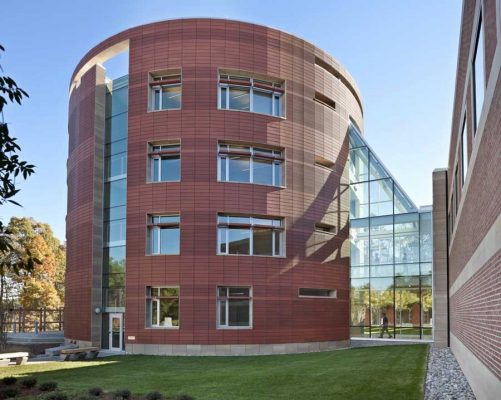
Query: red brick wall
point(200, 47)
point(79, 214)
point(475, 310)
point(475, 307)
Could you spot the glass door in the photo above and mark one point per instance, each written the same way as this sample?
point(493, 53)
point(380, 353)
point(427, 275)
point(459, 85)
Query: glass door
point(116, 331)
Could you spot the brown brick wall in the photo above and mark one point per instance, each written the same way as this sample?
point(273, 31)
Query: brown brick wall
point(475, 309)
point(200, 47)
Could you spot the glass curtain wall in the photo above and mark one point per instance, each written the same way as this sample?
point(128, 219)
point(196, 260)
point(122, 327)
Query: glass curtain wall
point(391, 252)
point(115, 195)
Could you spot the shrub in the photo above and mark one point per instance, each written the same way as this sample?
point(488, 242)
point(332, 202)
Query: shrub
point(8, 392)
point(48, 386)
point(9, 380)
point(83, 397)
point(154, 396)
point(184, 397)
point(122, 394)
point(95, 391)
point(28, 383)
point(55, 396)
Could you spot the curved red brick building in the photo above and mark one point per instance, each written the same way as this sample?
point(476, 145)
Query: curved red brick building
point(207, 193)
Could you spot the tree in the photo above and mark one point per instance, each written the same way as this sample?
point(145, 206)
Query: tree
point(10, 168)
point(43, 286)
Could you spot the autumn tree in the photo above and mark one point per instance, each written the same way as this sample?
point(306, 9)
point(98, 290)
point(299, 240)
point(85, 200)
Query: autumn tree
point(43, 286)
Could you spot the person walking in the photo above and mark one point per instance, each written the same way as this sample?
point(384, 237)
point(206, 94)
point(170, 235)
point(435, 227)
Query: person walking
point(384, 327)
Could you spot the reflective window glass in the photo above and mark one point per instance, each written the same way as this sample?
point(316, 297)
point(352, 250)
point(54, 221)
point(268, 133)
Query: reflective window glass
point(115, 193)
point(479, 73)
point(262, 102)
point(359, 200)
point(359, 236)
point(239, 99)
point(381, 197)
point(359, 165)
point(238, 241)
point(239, 168)
point(262, 171)
point(381, 244)
point(171, 97)
point(116, 127)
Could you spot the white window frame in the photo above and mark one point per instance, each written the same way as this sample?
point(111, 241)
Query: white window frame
point(252, 155)
point(227, 308)
point(154, 89)
point(275, 95)
point(152, 157)
point(281, 233)
point(152, 300)
point(157, 227)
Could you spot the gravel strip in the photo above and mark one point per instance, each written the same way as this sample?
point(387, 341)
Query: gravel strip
point(444, 379)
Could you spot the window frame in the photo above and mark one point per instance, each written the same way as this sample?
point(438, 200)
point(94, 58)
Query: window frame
point(153, 154)
point(277, 158)
point(167, 79)
point(273, 86)
point(227, 308)
point(332, 294)
point(251, 226)
point(158, 226)
point(150, 299)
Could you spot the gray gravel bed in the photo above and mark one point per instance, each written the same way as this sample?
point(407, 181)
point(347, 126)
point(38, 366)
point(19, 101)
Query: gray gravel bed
point(444, 379)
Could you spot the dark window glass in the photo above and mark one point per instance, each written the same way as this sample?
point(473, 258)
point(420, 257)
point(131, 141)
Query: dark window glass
point(119, 101)
point(263, 241)
point(114, 259)
point(317, 292)
point(115, 193)
point(116, 128)
point(479, 73)
point(238, 241)
point(239, 313)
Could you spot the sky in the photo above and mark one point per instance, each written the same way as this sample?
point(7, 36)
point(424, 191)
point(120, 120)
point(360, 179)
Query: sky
point(401, 53)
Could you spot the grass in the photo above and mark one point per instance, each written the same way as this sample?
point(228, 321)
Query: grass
point(386, 372)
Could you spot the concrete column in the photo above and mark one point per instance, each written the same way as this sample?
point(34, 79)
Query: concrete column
point(440, 260)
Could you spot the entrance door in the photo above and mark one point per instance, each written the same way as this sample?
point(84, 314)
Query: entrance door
point(116, 331)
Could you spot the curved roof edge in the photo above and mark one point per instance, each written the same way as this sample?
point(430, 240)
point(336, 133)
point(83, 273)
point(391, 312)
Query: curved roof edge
point(90, 59)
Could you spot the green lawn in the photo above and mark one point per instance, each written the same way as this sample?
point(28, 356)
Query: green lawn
point(386, 372)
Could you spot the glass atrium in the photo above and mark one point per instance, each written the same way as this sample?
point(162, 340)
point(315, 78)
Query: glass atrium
point(391, 252)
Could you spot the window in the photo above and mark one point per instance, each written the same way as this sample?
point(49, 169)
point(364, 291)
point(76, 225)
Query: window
point(234, 307)
point(244, 93)
point(163, 234)
point(325, 228)
point(323, 162)
point(308, 292)
point(478, 74)
point(165, 91)
point(248, 164)
point(456, 190)
point(250, 235)
point(326, 101)
point(165, 162)
point(464, 150)
point(162, 307)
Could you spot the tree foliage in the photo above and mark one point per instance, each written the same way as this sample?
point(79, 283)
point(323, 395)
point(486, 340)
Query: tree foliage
point(43, 286)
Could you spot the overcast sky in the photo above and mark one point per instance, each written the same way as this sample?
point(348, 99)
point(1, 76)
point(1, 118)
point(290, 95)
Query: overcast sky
point(402, 54)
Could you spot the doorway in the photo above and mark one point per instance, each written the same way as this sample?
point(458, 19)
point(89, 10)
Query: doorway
point(116, 331)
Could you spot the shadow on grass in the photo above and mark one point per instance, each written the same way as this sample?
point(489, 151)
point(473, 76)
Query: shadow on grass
point(386, 372)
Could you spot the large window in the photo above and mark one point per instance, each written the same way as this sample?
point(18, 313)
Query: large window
point(250, 235)
point(478, 74)
point(244, 93)
point(248, 164)
point(165, 162)
point(163, 234)
point(234, 307)
point(162, 307)
point(165, 91)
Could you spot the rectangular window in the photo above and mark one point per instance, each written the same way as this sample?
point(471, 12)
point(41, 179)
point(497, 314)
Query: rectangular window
point(323, 162)
point(165, 162)
point(162, 307)
point(308, 292)
point(165, 91)
point(325, 228)
point(478, 74)
point(456, 190)
point(464, 150)
point(244, 93)
point(250, 235)
point(163, 234)
point(234, 307)
point(326, 101)
point(248, 164)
